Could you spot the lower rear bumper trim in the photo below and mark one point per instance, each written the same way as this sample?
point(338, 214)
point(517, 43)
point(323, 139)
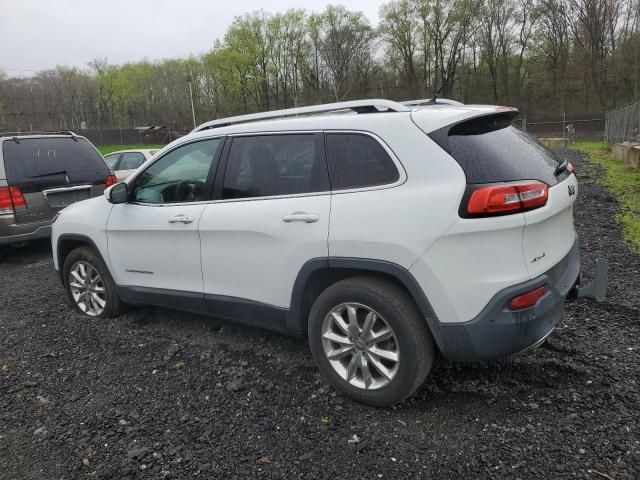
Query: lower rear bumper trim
point(498, 332)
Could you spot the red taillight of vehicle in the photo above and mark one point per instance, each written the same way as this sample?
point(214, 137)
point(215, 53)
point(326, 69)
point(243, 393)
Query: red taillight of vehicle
point(10, 198)
point(507, 198)
point(528, 299)
point(111, 180)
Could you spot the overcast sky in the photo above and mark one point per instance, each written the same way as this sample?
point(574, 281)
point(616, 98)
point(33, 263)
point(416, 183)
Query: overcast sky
point(40, 34)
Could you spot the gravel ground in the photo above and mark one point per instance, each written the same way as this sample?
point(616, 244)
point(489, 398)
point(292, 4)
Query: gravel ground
point(161, 394)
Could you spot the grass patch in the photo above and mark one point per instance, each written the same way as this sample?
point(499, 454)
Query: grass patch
point(624, 182)
point(104, 149)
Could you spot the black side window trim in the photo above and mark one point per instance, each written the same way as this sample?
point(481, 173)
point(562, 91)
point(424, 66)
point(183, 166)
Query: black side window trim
point(215, 164)
point(218, 186)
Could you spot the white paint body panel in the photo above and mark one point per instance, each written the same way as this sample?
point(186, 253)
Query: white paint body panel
point(470, 263)
point(249, 252)
point(550, 232)
point(88, 218)
point(141, 239)
point(398, 224)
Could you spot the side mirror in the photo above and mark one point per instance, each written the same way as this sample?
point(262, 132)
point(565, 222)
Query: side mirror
point(118, 193)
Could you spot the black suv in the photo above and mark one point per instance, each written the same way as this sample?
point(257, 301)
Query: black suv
point(39, 175)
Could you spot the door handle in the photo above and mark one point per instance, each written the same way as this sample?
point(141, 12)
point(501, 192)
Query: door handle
point(301, 217)
point(181, 219)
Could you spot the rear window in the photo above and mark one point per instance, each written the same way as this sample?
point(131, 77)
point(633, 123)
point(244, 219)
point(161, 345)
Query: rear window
point(490, 149)
point(41, 157)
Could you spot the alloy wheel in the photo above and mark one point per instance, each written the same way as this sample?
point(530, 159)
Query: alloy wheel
point(360, 346)
point(87, 288)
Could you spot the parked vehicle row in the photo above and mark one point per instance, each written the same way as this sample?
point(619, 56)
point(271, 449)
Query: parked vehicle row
point(383, 236)
point(124, 162)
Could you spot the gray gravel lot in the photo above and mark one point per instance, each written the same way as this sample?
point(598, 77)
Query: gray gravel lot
point(162, 394)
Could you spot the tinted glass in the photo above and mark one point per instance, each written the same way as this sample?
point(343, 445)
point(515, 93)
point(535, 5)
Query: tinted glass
point(112, 160)
point(179, 176)
point(41, 158)
point(131, 160)
point(489, 149)
point(268, 165)
point(357, 161)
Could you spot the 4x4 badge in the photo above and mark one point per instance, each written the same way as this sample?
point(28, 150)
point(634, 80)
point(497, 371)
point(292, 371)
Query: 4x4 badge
point(572, 190)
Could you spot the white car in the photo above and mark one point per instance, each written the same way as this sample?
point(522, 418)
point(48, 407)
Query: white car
point(124, 162)
point(383, 235)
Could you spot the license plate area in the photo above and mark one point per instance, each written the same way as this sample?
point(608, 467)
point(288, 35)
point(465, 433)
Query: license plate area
point(63, 197)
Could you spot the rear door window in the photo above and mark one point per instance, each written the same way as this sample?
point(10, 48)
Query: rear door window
point(112, 160)
point(268, 165)
point(131, 160)
point(30, 159)
point(490, 149)
point(357, 161)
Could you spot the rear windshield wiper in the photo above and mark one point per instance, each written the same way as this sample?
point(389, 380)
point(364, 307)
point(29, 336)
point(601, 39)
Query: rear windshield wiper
point(50, 174)
point(561, 168)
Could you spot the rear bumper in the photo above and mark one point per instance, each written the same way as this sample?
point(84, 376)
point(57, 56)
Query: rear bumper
point(16, 233)
point(498, 332)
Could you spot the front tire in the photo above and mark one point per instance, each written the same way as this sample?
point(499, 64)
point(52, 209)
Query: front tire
point(370, 341)
point(89, 285)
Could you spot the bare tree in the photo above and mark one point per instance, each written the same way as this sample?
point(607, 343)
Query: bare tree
point(398, 28)
point(346, 35)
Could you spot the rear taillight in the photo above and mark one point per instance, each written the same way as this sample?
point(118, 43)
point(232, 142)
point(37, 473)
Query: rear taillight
point(111, 180)
point(507, 198)
point(10, 199)
point(528, 299)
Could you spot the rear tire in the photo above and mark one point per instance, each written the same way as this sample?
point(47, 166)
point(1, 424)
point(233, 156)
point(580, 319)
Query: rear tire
point(89, 285)
point(386, 357)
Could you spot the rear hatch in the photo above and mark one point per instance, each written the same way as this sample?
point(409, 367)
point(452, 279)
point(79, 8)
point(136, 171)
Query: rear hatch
point(496, 155)
point(52, 172)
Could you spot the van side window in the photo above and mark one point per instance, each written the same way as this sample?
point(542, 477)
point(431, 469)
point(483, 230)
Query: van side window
point(267, 165)
point(357, 161)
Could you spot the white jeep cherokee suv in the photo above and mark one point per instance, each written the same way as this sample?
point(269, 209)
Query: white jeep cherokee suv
point(383, 233)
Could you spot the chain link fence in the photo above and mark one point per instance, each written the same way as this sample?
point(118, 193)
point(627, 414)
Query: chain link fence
point(567, 127)
point(622, 124)
point(130, 136)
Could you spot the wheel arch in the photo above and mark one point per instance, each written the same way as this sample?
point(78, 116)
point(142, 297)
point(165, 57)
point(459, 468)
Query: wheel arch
point(318, 274)
point(69, 242)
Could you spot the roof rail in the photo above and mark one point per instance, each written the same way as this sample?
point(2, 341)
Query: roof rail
point(358, 106)
point(35, 132)
point(431, 101)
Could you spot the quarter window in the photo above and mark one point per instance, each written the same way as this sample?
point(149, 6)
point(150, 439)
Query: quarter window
point(179, 176)
point(267, 165)
point(357, 161)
